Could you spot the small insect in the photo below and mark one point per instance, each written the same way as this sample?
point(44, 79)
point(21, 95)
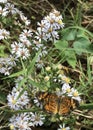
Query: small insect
point(54, 104)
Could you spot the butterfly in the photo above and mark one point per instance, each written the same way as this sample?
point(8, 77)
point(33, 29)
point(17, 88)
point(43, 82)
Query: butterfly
point(55, 104)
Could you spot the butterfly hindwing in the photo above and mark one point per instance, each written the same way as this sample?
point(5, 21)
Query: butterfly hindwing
point(64, 105)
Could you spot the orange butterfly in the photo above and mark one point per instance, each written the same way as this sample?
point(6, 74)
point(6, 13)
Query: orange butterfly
point(56, 104)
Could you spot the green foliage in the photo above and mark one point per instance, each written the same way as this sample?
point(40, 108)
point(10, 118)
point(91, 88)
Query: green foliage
point(74, 41)
point(82, 45)
point(71, 58)
point(2, 49)
point(32, 63)
point(2, 98)
point(74, 51)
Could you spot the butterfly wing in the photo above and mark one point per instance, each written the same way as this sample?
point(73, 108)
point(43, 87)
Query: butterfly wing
point(51, 105)
point(54, 104)
point(64, 105)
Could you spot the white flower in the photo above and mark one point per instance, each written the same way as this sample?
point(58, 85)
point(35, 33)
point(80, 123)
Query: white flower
point(10, 8)
point(25, 41)
point(21, 122)
point(19, 12)
point(37, 45)
point(74, 94)
point(3, 1)
point(15, 102)
point(37, 119)
point(64, 79)
point(24, 19)
point(62, 127)
point(23, 52)
point(66, 88)
point(5, 70)
point(3, 11)
point(4, 34)
point(52, 34)
point(37, 103)
point(12, 60)
point(39, 63)
point(58, 92)
point(19, 50)
point(40, 34)
point(16, 47)
point(12, 103)
point(6, 65)
point(26, 33)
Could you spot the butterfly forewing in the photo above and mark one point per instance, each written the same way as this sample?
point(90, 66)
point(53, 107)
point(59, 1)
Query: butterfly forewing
point(52, 105)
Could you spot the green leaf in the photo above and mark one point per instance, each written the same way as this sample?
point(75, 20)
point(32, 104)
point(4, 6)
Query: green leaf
point(87, 106)
point(61, 44)
point(81, 33)
point(32, 109)
point(35, 83)
point(16, 74)
point(2, 97)
point(20, 94)
point(81, 45)
point(89, 72)
point(80, 28)
point(2, 48)
point(71, 58)
point(69, 34)
point(22, 82)
point(32, 63)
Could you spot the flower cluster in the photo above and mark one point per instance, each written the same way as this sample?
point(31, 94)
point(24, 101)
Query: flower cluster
point(17, 101)
point(6, 65)
point(19, 50)
point(4, 34)
point(25, 121)
point(48, 27)
point(10, 9)
point(21, 122)
point(47, 30)
point(23, 37)
point(55, 74)
point(70, 92)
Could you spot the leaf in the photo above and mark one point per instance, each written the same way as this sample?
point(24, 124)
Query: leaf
point(2, 48)
point(32, 63)
point(34, 83)
point(81, 33)
point(80, 28)
point(69, 34)
point(71, 58)
point(61, 44)
point(89, 73)
point(16, 74)
point(87, 106)
point(2, 97)
point(22, 82)
point(81, 45)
